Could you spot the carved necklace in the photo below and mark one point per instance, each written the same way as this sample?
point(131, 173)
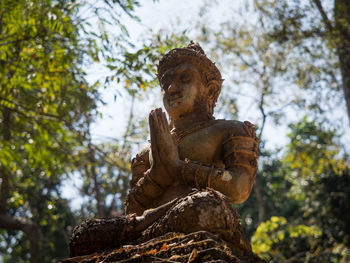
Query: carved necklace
point(179, 134)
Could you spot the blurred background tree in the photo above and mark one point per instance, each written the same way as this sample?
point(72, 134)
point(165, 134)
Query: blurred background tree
point(47, 106)
point(287, 60)
point(44, 102)
point(307, 211)
point(282, 61)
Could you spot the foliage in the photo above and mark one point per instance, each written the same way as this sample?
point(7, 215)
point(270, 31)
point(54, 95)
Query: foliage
point(275, 189)
point(44, 99)
point(286, 59)
point(47, 107)
point(276, 235)
point(139, 66)
point(308, 223)
point(316, 36)
point(105, 179)
point(278, 57)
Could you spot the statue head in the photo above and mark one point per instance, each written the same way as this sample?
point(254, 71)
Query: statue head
point(190, 81)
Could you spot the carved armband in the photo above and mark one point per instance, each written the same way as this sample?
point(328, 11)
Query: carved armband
point(196, 175)
point(241, 151)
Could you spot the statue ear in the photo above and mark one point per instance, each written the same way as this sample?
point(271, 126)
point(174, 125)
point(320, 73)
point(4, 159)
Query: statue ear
point(213, 88)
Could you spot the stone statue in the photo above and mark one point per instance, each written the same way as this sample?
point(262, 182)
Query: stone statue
point(195, 168)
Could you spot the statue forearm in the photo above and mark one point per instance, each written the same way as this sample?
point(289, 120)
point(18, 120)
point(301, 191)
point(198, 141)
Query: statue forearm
point(236, 183)
point(142, 188)
point(239, 155)
point(148, 182)
point(144, 192)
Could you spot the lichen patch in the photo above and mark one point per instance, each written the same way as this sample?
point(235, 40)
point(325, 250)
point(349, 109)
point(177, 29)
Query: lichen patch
point(226, 176)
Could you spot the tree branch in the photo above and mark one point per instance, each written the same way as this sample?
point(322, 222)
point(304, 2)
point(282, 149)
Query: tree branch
point(37, 114)
point(324, 15)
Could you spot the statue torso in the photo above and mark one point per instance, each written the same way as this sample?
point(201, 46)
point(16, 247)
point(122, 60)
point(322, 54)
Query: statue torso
point(204, 146)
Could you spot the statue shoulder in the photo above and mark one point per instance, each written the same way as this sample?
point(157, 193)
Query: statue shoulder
point(236, 128)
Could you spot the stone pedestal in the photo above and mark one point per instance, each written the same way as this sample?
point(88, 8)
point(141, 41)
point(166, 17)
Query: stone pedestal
point(199, 246)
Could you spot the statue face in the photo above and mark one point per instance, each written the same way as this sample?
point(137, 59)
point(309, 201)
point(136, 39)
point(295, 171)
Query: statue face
point(181, 86)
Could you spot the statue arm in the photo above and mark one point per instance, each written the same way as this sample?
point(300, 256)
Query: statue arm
point(240, 152)
point(151, 180)
point(147, 183)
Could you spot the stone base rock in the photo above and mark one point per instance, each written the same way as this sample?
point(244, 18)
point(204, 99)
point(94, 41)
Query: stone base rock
point(199, 246)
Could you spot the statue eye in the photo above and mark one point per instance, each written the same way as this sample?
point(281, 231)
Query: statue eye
point(185, 78)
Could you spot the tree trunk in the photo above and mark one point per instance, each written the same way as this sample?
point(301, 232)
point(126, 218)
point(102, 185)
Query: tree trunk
point(260, 199)
point(6, 131)
point(9, 222)
point(93, 163)
point(342, 22)
point(345, 72)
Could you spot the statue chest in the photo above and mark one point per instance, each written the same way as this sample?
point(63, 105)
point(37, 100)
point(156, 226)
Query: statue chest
point(203, 146)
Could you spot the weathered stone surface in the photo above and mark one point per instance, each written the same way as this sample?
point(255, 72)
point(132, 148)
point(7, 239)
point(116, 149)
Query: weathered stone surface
point(199, 246)
point(94, 235)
